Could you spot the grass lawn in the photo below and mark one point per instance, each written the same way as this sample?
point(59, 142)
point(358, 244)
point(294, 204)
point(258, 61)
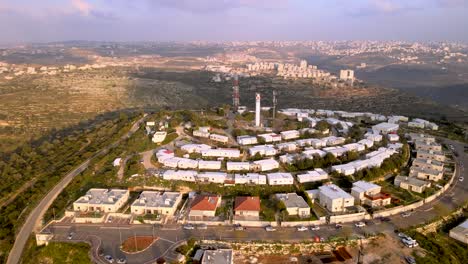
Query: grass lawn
point(63, 253)
point(403, 195)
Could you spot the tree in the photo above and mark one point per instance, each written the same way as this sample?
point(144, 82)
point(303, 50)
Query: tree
point(322, 125)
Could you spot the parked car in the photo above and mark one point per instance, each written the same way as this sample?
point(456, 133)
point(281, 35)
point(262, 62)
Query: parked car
point(315, 228)
point(121, 260)
point(302, 228)
point(109, 220)
point(461, 179)
point(70, 236)
point(409, 242)
point(338, 226)
point(188, 227)
point(109, 258)
point(202, 226)
point(270, 228)
point(385, 219)
point(238, 227)
point(405, 214)
point(360, 224)
point(410, 260)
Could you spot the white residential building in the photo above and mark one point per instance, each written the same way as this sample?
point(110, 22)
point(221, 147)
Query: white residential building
point(310, 153)
point(180, 175)
point(195, 148)
point(334, 199)
point(374, 137)
point(209, 165)
point(280, 178)
point(370, 194)
point(247, 140)
point(221, 153)
point(237, 166)
point(355, 147)
point(290, 134)
point(393, 137)
point(318, 143)
point(345, 169)
point(159, 136)
point(385, 128)
point(287, 146)
point(214, 177)
point(219, 138)
point(313, 176)
point(250, 178)
point(270, 137)
point(101, 200)
point(187, 163)
point(264, 150)
point(152, 202)
point(266, 164)
point(295, 204)
point(202, 134)
point(366, 142)
point(164, 154)
point(333, 141)
point(336, 151)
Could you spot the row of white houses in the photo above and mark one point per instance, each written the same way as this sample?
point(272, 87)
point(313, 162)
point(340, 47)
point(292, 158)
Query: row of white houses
point(278, 178)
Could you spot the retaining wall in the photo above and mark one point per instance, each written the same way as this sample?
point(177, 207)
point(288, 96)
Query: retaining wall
point(401, 209)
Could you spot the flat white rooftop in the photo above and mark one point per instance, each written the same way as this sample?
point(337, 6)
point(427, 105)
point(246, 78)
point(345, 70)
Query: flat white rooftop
point(334, 192)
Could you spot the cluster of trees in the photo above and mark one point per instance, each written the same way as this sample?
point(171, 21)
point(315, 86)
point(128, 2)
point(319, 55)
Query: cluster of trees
point(301, 164)
point(389, 165)
point(28, 173)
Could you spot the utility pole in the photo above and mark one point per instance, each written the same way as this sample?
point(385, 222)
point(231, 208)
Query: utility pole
point(120, 235)
point(275, 101)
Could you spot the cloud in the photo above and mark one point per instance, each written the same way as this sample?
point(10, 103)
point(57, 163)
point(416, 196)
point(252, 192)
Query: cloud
point(82, 6)
point(384, 7)
point(452, 3)
point(207, 6)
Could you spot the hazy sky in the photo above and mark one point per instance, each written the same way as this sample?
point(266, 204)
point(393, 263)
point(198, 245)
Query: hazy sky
point(160, 20)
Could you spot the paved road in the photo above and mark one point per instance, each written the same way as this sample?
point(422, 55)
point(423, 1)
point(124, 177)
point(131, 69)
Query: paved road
point(33, 221)
point(111, 236)
point(455, 196)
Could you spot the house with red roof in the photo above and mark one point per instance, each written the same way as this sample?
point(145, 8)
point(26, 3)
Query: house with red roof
point(247, 206)
point(204, 205)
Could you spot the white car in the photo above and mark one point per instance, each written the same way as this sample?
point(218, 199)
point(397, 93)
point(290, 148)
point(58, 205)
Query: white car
point(409, 242)
point(270, 228)
point(109, 258)
point(360, 224)
point(302, 228)
point(405, 214)
point(315, 228)
point(461, 179)
point(188, 227)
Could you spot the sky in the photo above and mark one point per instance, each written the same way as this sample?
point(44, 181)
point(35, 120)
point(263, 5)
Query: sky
point(230, 20)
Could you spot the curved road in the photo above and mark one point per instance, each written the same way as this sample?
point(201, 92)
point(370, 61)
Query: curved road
point(33, 221)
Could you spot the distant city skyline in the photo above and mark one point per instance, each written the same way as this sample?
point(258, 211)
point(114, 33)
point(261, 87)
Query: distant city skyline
point(229, 20)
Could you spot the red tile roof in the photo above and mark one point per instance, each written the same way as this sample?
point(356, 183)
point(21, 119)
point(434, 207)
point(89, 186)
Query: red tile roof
point(247, 203)
point(205, 203)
